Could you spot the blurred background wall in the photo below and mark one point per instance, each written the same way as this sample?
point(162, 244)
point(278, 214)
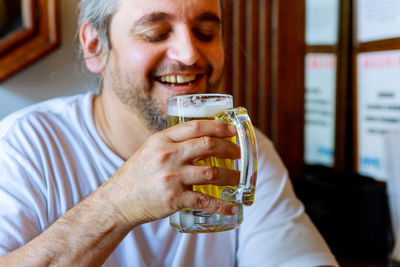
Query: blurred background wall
point(59, 73)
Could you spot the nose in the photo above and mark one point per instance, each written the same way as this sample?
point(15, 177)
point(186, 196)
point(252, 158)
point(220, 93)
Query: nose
point(184, 48)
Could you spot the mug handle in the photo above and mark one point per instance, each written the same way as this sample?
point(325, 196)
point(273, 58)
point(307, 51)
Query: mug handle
point(244, 192)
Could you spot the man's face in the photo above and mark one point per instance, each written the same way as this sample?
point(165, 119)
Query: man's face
point(162, 48)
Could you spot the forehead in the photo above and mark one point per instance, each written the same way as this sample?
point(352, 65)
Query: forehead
point(181, 9)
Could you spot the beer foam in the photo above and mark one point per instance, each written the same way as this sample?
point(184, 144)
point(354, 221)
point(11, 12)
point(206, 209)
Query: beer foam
point(199, 108)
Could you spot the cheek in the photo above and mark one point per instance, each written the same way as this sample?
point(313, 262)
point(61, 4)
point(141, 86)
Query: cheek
point(138, 60)
point(216, 57)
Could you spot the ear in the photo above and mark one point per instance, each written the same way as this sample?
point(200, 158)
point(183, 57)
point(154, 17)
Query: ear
point(93, 50)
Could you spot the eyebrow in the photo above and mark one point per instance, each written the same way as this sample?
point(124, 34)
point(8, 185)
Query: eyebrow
point(208, 16)
point(162, 16)
point(151, 18)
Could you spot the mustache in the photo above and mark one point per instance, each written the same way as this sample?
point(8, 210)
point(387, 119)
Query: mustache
point(178, 67)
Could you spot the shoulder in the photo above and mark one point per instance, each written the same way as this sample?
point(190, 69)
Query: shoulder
point(44, 128)
point(42, 114)
point(262, 140)
point(268, 157)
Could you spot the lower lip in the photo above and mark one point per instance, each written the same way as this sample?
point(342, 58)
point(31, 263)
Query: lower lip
point(184, 88)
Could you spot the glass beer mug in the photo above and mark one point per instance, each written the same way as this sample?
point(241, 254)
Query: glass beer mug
point(217, 107)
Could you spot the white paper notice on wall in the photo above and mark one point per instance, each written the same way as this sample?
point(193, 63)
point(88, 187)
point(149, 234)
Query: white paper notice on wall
point(378, 19)
point(378, 108)
point(320, 98)
point(322, 22)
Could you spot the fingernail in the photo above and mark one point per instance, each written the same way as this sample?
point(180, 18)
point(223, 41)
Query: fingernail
point(234, 209)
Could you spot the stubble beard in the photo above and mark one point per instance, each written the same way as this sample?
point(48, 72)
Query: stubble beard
point(136, 96)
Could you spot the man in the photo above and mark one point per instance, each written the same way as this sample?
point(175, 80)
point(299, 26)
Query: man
point(90, 180)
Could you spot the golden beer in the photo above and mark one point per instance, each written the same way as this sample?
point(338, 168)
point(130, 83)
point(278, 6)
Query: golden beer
point(212, 190)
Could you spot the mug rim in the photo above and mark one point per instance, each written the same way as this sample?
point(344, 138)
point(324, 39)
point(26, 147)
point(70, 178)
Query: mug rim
point(172, 98)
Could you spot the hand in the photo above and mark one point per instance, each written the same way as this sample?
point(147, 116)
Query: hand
point(157, 180)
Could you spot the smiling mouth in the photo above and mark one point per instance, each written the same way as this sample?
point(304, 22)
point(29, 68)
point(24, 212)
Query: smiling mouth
point(178, 80)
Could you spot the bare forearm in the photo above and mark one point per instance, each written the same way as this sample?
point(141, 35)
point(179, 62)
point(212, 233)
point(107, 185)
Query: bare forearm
point(84, 236)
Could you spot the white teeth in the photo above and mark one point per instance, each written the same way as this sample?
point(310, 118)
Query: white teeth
point(178, 78)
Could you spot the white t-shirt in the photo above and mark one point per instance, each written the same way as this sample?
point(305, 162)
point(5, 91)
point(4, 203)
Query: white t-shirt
point(52, 157)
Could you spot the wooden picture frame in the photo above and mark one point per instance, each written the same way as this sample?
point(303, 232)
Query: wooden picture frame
point(20, 34)
point(38, 36)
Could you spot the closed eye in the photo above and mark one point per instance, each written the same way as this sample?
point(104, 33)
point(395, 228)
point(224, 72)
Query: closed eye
point(205, 34)
point(156, 33)
point(155, 38)
point(204, 37)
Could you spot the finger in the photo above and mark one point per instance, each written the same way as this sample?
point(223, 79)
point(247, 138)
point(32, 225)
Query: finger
point(199, 128)
point(199, 201)
point(204, 147)
point(201, 175)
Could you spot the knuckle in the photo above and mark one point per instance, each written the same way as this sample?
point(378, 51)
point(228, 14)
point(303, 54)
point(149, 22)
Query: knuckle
point(221, 129)
point(194, 125)
point(155, 138)
point(169, 197)
point(163, 156)
point(204, 201)
point(167, 179)
point(208, 142)
point(210, 173)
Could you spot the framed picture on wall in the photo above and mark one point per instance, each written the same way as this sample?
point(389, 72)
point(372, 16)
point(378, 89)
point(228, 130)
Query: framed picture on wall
point(28, 31)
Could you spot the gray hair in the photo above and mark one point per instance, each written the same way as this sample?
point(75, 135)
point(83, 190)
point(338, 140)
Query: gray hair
point(99, 13)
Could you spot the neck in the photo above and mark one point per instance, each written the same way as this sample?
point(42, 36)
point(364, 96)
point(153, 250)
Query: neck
point(121, 129)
